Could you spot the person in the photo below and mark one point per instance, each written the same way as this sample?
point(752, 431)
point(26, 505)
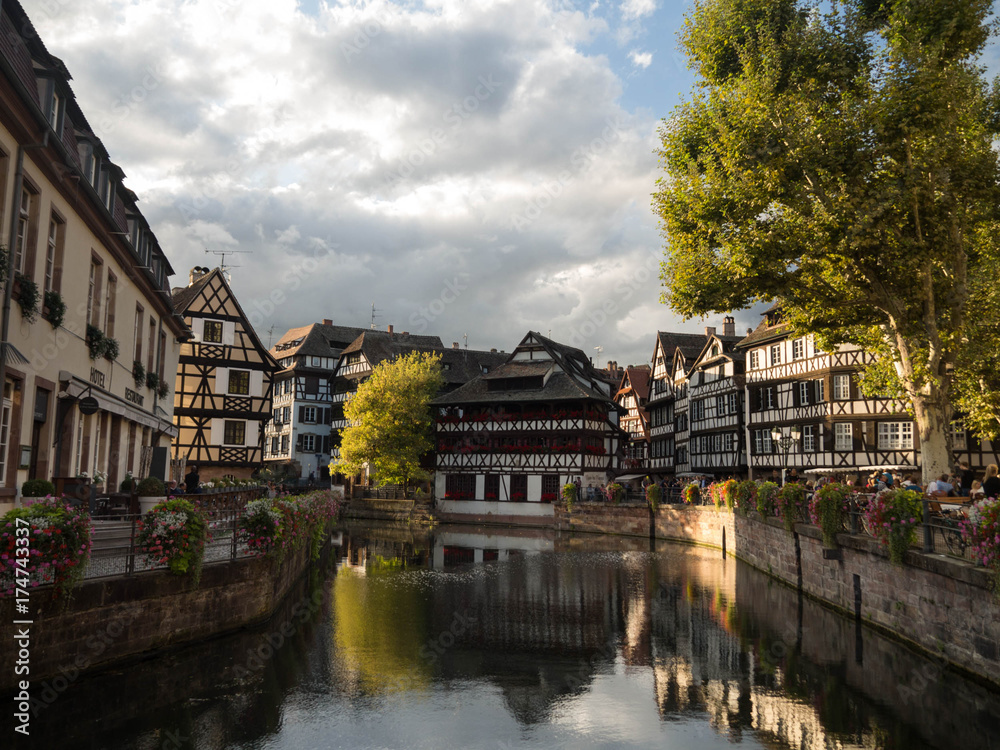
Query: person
point(967, 476)
point(991, 483)
point(793, 475)
point(888, 480)
point(172, 488)
point(976, 490)
point(913, 483)
point(941, 486)
point(312, 478)
point(191, 481)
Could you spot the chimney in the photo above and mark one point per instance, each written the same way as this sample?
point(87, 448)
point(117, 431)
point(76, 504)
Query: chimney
point(709, 331)
point(327, 322)
point(749, 331)
point(493, 351)
point(406, 333)
point(729, 326)
point(196, 273)
point(390, 329)
point(454, 345)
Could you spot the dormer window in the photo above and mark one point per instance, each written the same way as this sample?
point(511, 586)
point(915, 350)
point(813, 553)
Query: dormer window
point(87, 161)
point(55, 111)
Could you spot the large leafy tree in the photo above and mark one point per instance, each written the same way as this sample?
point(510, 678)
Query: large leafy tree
point(389, 419)
point(838, 156)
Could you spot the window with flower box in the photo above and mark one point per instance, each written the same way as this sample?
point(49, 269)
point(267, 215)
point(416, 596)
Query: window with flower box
point(460, 487)
point(518, 488)
point(491, 489)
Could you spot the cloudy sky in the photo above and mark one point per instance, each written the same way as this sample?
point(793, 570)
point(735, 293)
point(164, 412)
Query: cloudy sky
point(471, 167)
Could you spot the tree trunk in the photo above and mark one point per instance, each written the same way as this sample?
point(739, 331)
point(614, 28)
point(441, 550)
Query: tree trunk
point(933, 419)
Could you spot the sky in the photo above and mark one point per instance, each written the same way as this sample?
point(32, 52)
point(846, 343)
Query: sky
point(474, 168)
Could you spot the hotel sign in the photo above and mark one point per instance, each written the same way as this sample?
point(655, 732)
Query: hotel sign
point(96, 377)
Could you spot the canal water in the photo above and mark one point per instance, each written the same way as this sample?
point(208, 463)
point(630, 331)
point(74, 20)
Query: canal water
point(473, 638)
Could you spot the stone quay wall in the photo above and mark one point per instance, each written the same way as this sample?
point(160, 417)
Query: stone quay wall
point(114, 620)
point(941, 605)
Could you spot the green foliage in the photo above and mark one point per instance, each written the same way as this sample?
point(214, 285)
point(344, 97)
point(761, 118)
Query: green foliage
point(746, 496)
point(27, 297)
point(692, 494)
point(151, 487)
point(128, 485)
point(55, 308)
point(389, 419)
point(109, 348)
point(138, 373)
point(152, 381)
point(767, 499)
point(892, 517)
point(828, 510)
point(174, 532)
point(37, 488)
point(569, 494)
point(653, 496)
point(59, 550)
point(841, 160)
point(615, 493)
point(95, 341)
point(791, 504)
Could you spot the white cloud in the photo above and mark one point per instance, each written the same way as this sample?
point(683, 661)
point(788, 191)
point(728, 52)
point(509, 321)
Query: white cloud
point(634, 9)
point(640, 59)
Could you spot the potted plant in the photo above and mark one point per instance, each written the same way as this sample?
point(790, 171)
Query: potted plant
point(27, 296)
point(615, 493)
point(790, 501)
point(767, 496)
point(54, 308)
point(653, 496)
point(152, 381)
point(95, 341)
point(828, 510)
point(151, 491)
point(35, 488)
point(109, 348)
point(746, 496)
point(892, 516)
point(138, 373)
point(569, 495)
point(692, 494)
point(174, 532)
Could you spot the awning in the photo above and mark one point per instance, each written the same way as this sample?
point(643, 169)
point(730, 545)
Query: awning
point(113, 405)
point(828, 470)
point(692, 474)
point(890, 467)
point(626, 477)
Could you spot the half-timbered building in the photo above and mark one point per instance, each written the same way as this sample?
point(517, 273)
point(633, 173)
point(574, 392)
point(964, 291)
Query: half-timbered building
point(632, 395)
point(223, 389)
point(673, 356)
point(794, 386)
point(298, 435)
point(715, 405)
point(508, 440)
point(82, 267)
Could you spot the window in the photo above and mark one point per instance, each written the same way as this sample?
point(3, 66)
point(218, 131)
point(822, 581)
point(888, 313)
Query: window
point(284, 444)
point(697, 410)
point(239, 382)
point(804, 393)
point(54, 255)
point(212, 332)
point(755, 359)
point(491, 489)
point(152, 344)
point(519, 487)
point(109, 306)
point(682, 455)
point(720, 405)
point(729, 441)
point(234, 433)
point(767, 397)
point(274, 444)
point(138, 333)
point(4, 437)
point(843, 437)
point(163, 355)
point(317, 362)
point(776, 354)
point(959, 438)
point(308, 443)
point(841, 387)
point(798, 348)
point(550, 484)
point(809, 438)
point(895, 435)
point(733, 400)
point(820, 391)
point(762, 441)
point(23, 239)
point(309, 414)
point(286, 414)
point(94, 294)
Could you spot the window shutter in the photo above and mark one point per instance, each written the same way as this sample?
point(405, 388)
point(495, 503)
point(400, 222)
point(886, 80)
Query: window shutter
point(298, 443)
point(795, 394)
point(757, 400)
point(326, 444)
point(302, 414)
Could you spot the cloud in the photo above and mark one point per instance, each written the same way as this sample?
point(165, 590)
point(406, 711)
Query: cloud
point(371, 151)
point(640, 59)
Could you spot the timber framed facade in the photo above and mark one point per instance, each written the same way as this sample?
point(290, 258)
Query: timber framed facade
point(223, 388)
point(632, 396)
point(509, 440)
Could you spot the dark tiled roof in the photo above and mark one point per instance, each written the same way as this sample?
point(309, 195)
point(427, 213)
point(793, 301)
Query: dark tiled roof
point(763, 332)
point(317, 340)
point(381, 345)
point(690, 344)
point(638, 378)
point(183, 296)
point(466, 364)
point(559, 387)
point(521, 369)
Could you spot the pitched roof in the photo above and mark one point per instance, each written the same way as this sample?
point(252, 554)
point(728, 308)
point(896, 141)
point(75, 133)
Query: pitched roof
point(381, 345)
point(466, 364)
point(316, 339)
point(185, 295)
point(637, 378)
point(764, 332)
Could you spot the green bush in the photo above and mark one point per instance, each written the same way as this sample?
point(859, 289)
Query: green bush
point(653, 496)
point(151, 487)
point(791, 504)
point(569, 494)
point(746, 496)
point(174, 533)
point(37, 488)
point(767, 497)
point(128, 485)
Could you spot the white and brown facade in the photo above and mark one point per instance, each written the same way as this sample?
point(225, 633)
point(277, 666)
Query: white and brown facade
point(632, 395)
point(74, 237)
point(508, 440)
point(223, 386)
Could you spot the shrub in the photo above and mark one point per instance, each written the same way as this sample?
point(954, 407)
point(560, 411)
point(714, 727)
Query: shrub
point(110, 348)
point(279, 525)
point(692, 494)
point(95, 341)
point(128, 485)
point(152, 381)
point(767, 499)
point(828, 510)
point(569, 494)
point(174, 532)
point(151, 487)
point(653, 496)
point(715, 492)
point(791, 504)
point(58, 548)
point(37, 488)
point(746, 496)
point(615, 492)
point(892, 517)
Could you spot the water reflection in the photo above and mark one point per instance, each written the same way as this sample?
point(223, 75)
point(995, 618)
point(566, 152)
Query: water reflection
point(523, 638)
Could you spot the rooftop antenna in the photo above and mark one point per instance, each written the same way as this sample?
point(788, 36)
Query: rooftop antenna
point(466, 337)
point(222, 264)
point(270, 332)
point(600, 350)
point(375, 315)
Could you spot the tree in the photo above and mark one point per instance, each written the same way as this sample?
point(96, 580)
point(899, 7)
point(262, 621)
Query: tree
point(840, 162)
point(390, 420)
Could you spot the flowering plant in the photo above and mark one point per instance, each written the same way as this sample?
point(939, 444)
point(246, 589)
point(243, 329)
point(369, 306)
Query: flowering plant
point(767, 496)
point(57, 550)
point(569, 494)
point(548, 497)
point(692, 494)
point(746, 496)
point(892, 517)
point(828, 509)
point(981, 531)
point(614, 492)
point(517, 497)
point(653, 496)
point(791, 504)
point(174, 533)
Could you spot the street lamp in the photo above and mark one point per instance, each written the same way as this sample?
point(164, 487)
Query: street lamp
point(785, 443)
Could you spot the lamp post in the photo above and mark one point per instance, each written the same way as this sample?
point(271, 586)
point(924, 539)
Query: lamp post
point(785, 443)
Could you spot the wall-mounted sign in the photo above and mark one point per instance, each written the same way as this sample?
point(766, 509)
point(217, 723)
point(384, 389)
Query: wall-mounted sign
point(96, 377)
point(133, 397)
point(25, 462)
point(88, 405)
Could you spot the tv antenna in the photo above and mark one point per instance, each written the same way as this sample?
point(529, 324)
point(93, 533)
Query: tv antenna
point(375, 314)
point(222, 254)
point(599, 350)
point(270, 333)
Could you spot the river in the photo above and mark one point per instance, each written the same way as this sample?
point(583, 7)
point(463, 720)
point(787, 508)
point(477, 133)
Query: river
point(506, 638)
